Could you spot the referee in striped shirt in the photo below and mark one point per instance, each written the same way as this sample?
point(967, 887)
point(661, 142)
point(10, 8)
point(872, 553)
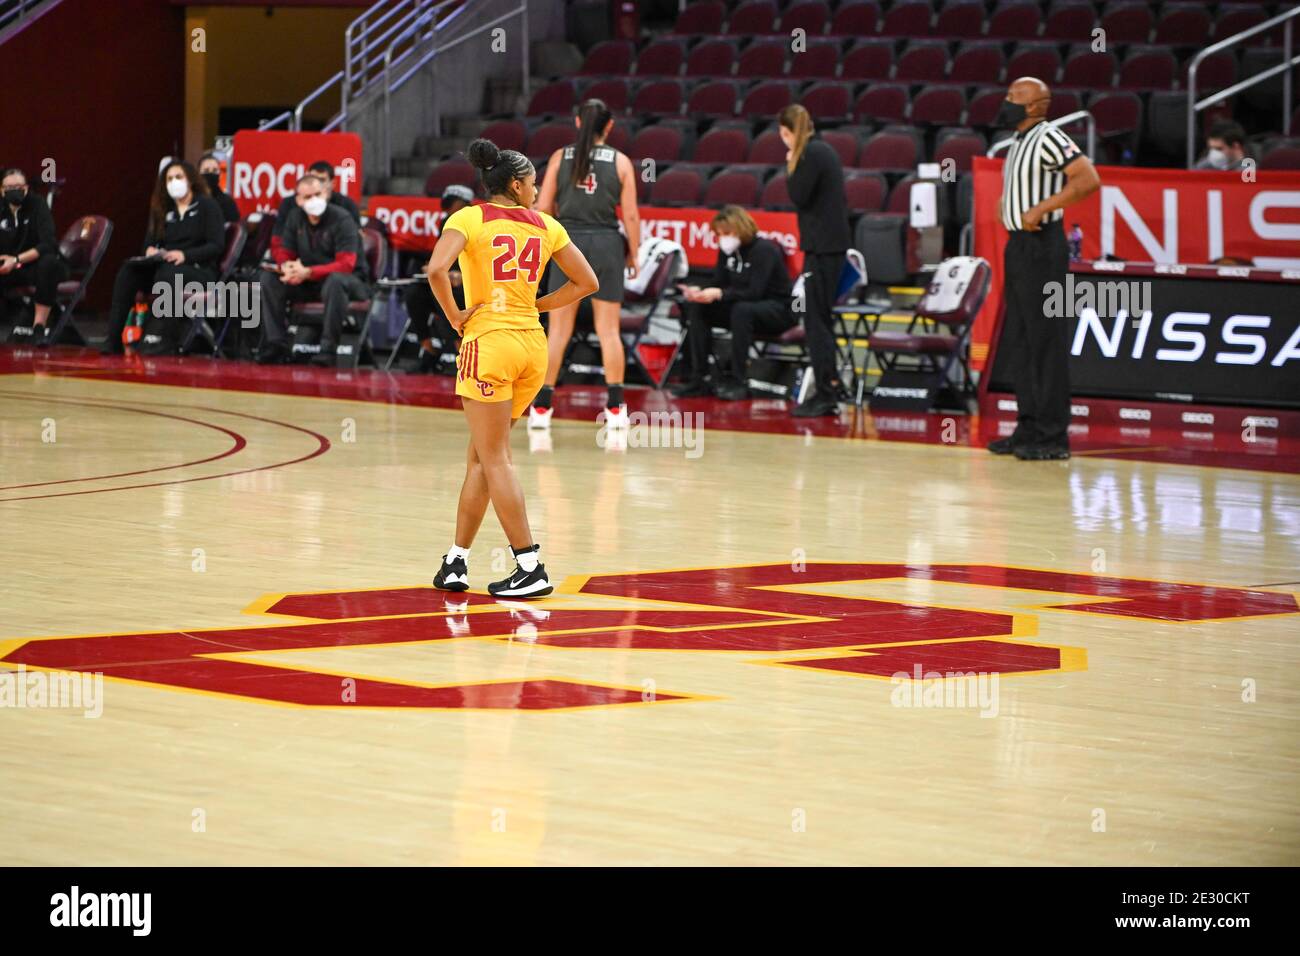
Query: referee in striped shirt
point(1044, 172)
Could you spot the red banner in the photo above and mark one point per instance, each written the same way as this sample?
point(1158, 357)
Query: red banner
point(1155, 215)
point(690, 227)
point(266, 165)
point(412, 220)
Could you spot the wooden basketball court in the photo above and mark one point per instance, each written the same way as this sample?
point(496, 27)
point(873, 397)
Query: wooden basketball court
point(247, 565)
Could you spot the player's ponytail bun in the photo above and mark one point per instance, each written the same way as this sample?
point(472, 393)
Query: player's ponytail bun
point(498, 168)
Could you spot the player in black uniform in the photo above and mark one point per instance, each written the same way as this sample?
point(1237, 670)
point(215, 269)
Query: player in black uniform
point(584, 183)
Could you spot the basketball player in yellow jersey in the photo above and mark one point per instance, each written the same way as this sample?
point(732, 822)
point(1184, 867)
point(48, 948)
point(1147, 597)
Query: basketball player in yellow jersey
point(502, 247)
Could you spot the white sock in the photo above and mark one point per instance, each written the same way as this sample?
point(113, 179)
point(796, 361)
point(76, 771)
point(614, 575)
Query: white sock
point(454, 552)
point(527, 560)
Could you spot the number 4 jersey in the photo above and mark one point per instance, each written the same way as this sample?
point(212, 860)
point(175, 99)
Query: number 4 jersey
point(505, 254)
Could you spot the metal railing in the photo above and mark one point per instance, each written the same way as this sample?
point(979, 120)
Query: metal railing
point(314, 94)
point(1088, 119)
point(1194, 105)
point(14, 12)
point(275, 121)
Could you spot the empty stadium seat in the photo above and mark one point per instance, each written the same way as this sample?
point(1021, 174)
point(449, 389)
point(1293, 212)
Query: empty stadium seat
point(984, 105)
point(711, 58)
point(1147, 68)
point(886, 102)
point(740, 187)
point(721, 146)
point(811, 16)
point(458, 172)
point(890, 149)
point(678, 186)
point(821, 60)
point(767, 148)
point(939, 106)
point(881, 238)
point(865, 191)
point(1218, 71)
point(1087, 68)
point(553, 98)
point(762, 58)
point(964, 18)
point(977, 63)
point(1016, 21)
point(1118, 114)
point(1128, 22)
point(1284, 154)
point(907, 18)
point(1234, 18)
point(1072, 20)
point(609, 58)
point(660, 97)
point(855, 18)
point(1183, 25)
point(845, 145)
point(775, 194)
point(873, 60)
point(960, 145)
point(613, 92)
point(922, 63)
point(1063, 103)
point(661, 58)
point(701, 18)
point(828, 101)
point(660, 143)
point(753, 16)
point(507, 134)
point(767, 99)
point(716, 98)
point(1042, 60)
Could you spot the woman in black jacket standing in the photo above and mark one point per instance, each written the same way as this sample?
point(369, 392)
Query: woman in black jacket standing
point(185, 238)
point(815, 180)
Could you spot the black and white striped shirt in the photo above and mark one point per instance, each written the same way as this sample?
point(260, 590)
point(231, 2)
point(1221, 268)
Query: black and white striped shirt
point(1034, 170)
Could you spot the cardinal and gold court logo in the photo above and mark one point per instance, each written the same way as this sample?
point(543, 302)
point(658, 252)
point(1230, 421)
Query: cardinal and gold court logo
point(776, 615)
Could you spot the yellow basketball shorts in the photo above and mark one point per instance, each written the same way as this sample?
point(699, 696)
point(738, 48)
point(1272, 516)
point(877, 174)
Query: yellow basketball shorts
point(504, 365)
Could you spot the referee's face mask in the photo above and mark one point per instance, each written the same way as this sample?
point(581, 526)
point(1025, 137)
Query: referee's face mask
point(1011, 115)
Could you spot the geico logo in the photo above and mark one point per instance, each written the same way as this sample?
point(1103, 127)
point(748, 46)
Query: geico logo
point(1199, 436)
point(1259, 421)
point(1101, 265)
point(1135, 414)
point(890, 392)
point(1235, 272)
point(1178, 338)
point(1198, 418)
point(1080, 411)
point(411, 222)
point(1171, 270)
point(1006, 404)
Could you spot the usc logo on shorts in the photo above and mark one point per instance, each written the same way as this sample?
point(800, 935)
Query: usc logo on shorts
point(467, 368)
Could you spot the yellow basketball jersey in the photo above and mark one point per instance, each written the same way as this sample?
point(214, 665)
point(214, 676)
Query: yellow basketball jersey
point(505, 254)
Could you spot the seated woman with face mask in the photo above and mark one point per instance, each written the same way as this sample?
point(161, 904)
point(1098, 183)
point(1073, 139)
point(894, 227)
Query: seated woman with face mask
point(185, 239)
point(750, 294)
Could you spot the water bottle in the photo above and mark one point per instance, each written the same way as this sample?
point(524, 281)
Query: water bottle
point(1076, 243)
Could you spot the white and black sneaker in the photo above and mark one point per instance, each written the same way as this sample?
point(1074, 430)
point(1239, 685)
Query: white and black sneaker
point(523, 584)
point(453, 575)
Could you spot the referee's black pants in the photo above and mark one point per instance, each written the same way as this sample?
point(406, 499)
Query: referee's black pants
point(1039, 355)
point(822, 282)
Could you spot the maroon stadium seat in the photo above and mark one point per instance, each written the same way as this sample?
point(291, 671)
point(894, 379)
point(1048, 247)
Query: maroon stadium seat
point(661, 58)
point(811, 16)
point(732, 186)
point(865, 191)
point(922, 63)
point(883, 101)
point(716, 98)
point(1234, 18)
point(964, 18)
point(660, 97)
point(613, 92)
point(977, 63)
point(775, 194)
point(1118, 113)
point(721, 146)
point(900, 197)
point(984, 106)
point(828, 101)
point(1042, 60)
point(1218, 71)
point(939, 106)
point(762, 58)
point(711, 58)
point(767, 99)
point(821, 60)
point(889, 149)
point(705, 18)
point(660, 143)
point(753, 16)
point(609, 58)
point(855, 18)
point(959, 145)
point(1090, 70)
point(458, 172)
point(767, 148)
point(507, 134)
point(845, 145)
point(1148, 68)
point(677, 187)
point(552, 98)
point(1018, 20)
point(907, 18)
point(1284, 154)
point(620, 137)
point(1063, 103)
point(872, 60)
point(1183, 25)
point(1073, 20)
point(1128, 22)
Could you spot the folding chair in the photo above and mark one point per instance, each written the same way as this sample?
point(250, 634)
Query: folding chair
point(83, 247)
point(354, 339)
point(918, 365)
point(199, 328)
point(639, 309)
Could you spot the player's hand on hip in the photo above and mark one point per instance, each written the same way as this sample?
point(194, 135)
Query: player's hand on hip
point(1032, 218)
point(458, 321)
